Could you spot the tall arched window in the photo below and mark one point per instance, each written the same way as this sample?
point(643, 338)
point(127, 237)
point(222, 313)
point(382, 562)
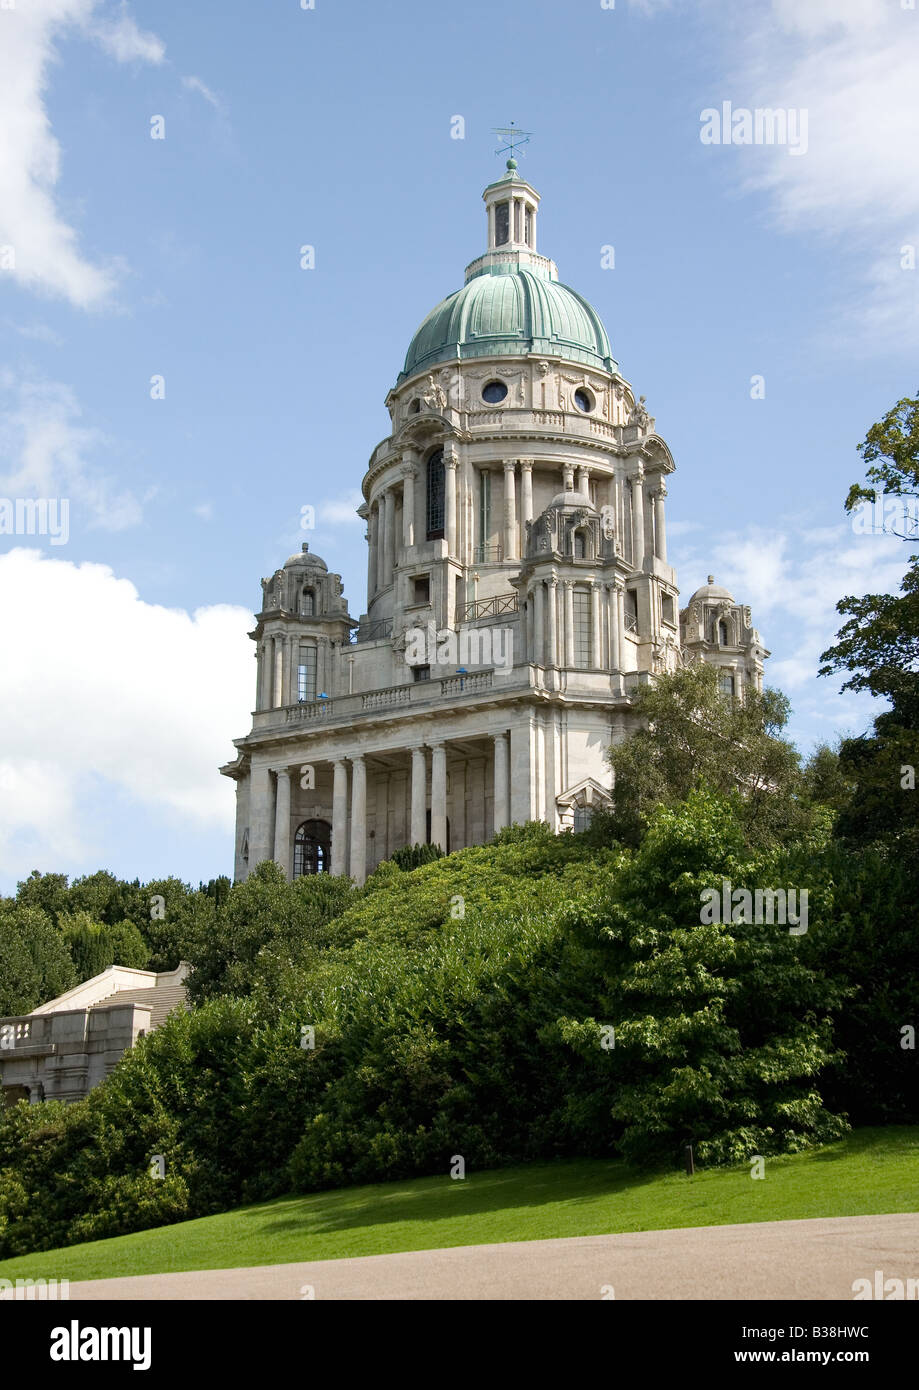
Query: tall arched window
point(435, 528)
point(312, 846)
point(307, 603)
point(579, 545)
point(722, 633)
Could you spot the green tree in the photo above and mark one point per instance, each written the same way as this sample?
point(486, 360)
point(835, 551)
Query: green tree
point(35, 964)
point(694, 735)
point(878, 647)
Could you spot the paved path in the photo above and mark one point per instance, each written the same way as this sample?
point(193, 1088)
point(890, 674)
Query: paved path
point(772, 1260)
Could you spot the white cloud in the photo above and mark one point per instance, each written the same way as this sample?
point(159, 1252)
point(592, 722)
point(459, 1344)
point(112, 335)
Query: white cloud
point(123, 695)
point(194, 84)
point(852, 65)
point(47, 255)
point(122, 38)
point(792, 581)
point(341, 511)
point(45, 452)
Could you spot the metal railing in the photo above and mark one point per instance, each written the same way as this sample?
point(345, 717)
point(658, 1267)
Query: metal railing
point(489, 607)
point(631, 622)
point(487, 554)
point(374, 632)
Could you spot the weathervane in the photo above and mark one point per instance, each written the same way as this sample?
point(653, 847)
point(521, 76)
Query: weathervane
point(512, 138)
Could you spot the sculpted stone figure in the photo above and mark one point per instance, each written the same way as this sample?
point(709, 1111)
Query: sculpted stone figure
point(435, 397)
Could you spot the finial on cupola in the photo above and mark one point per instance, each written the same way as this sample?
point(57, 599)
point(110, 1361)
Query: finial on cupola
point(711, 579)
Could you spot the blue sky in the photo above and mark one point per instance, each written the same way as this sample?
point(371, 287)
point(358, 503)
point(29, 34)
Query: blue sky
point(127, 669)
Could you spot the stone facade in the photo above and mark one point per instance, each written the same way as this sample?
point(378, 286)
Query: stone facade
point(63, 1049)
point(518, 591)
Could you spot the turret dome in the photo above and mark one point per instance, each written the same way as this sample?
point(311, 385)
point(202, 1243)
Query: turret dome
point(512, 304)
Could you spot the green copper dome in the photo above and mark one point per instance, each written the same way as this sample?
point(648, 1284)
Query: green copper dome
point(511, 311)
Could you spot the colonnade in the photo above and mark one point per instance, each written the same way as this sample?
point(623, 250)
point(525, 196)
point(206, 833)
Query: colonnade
point(272, 825)
point(386, 548)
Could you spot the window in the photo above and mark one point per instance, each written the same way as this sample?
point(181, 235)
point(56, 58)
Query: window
point(421, 588)
point(581, 628)
point(307, 603)
point(502, 223)
point(493, 392)
point(580, 545)
point(583, 815)
point(722, 633)
point(312, 844)
point(518, 229)
point(421, 673)
point(484, 507)
point(529, 227)
point(306, 673)
point(631, 610)
point(583, 400)
point(726, 685)
point(667, 610)
point(436, 496)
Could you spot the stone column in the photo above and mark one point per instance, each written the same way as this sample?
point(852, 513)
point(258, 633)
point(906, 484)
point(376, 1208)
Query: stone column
point(409, 475)
point(552, 642)
point(263, 700)
point(612, 599)
point(339, 816)
point(370, 537)
point(620, 617)
point(293, 662)
point(526, 500)
point(660, 525)
point(389, 510)
point(522, 764)
point(502, 800)
point(282, 821)
point(450, 465)
point(530, 646)
point(638, 518)
point(569, 623)
point(419, 828)
point(358, 820)
point(568, 477)
point(596, 652)
point(278, 693)
point(539, 624)
point(584, 479)
point(261, 815)
point(439, 795)
point(285, 669)
point(510, 511)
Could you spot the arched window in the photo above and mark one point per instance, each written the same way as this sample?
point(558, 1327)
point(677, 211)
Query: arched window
point(722, 633)
point(580, 546)
point(312, 846)
point(307, 603)
point(435, 528)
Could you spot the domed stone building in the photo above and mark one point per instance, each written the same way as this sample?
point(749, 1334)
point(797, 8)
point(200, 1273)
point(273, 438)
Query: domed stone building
point(518, 591)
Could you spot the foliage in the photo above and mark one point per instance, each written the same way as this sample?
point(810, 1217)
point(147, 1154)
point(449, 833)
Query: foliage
point(410, 856)
point(94, 947)
point(693, 734)
point(35, 964)
point(266, 926)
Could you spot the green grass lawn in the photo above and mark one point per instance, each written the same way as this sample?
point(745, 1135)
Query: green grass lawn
point(872, 1171)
